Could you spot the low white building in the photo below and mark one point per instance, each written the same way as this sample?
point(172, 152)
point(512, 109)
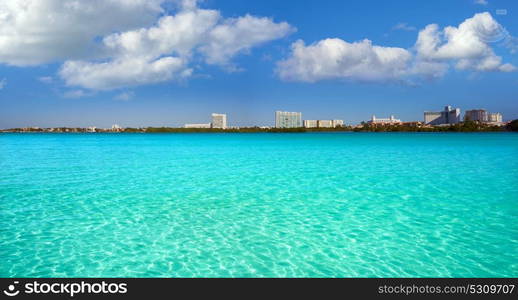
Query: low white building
point(116, 127)
point(338, 123)
point(323, 123)
point(311, 123)
point(383, 121)
point(208, 125)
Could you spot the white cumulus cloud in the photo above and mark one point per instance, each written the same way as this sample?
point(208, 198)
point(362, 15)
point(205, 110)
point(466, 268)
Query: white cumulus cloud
point(122, 72)
point(163, 52)
point(177, 34)
point(110, 44)
point(336, 58)
point(468, 44)
point(35, 32)
point(467, 47)
point(240, 35)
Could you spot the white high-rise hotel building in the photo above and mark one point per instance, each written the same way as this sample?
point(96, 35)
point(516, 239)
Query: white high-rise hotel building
point(219, 121)
point(448, 116)
point(284, 119)
point(483, 116)
point(494, 118)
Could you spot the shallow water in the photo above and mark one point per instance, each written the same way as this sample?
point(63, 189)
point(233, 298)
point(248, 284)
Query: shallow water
point(275, 205)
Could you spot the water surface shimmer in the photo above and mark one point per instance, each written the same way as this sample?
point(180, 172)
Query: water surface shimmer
point(254, 205)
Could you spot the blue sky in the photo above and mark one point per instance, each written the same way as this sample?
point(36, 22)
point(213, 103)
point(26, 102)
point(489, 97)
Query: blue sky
point(166, 63)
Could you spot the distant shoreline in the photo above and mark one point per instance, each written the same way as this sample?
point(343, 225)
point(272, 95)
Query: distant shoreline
point(458, 129)
point(467, 126)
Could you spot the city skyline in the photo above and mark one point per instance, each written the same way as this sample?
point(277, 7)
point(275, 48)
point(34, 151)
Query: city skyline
point(53, 82)
point(284, 119)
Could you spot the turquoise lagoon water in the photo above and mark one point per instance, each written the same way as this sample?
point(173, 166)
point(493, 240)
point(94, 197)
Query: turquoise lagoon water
point(275, 205)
